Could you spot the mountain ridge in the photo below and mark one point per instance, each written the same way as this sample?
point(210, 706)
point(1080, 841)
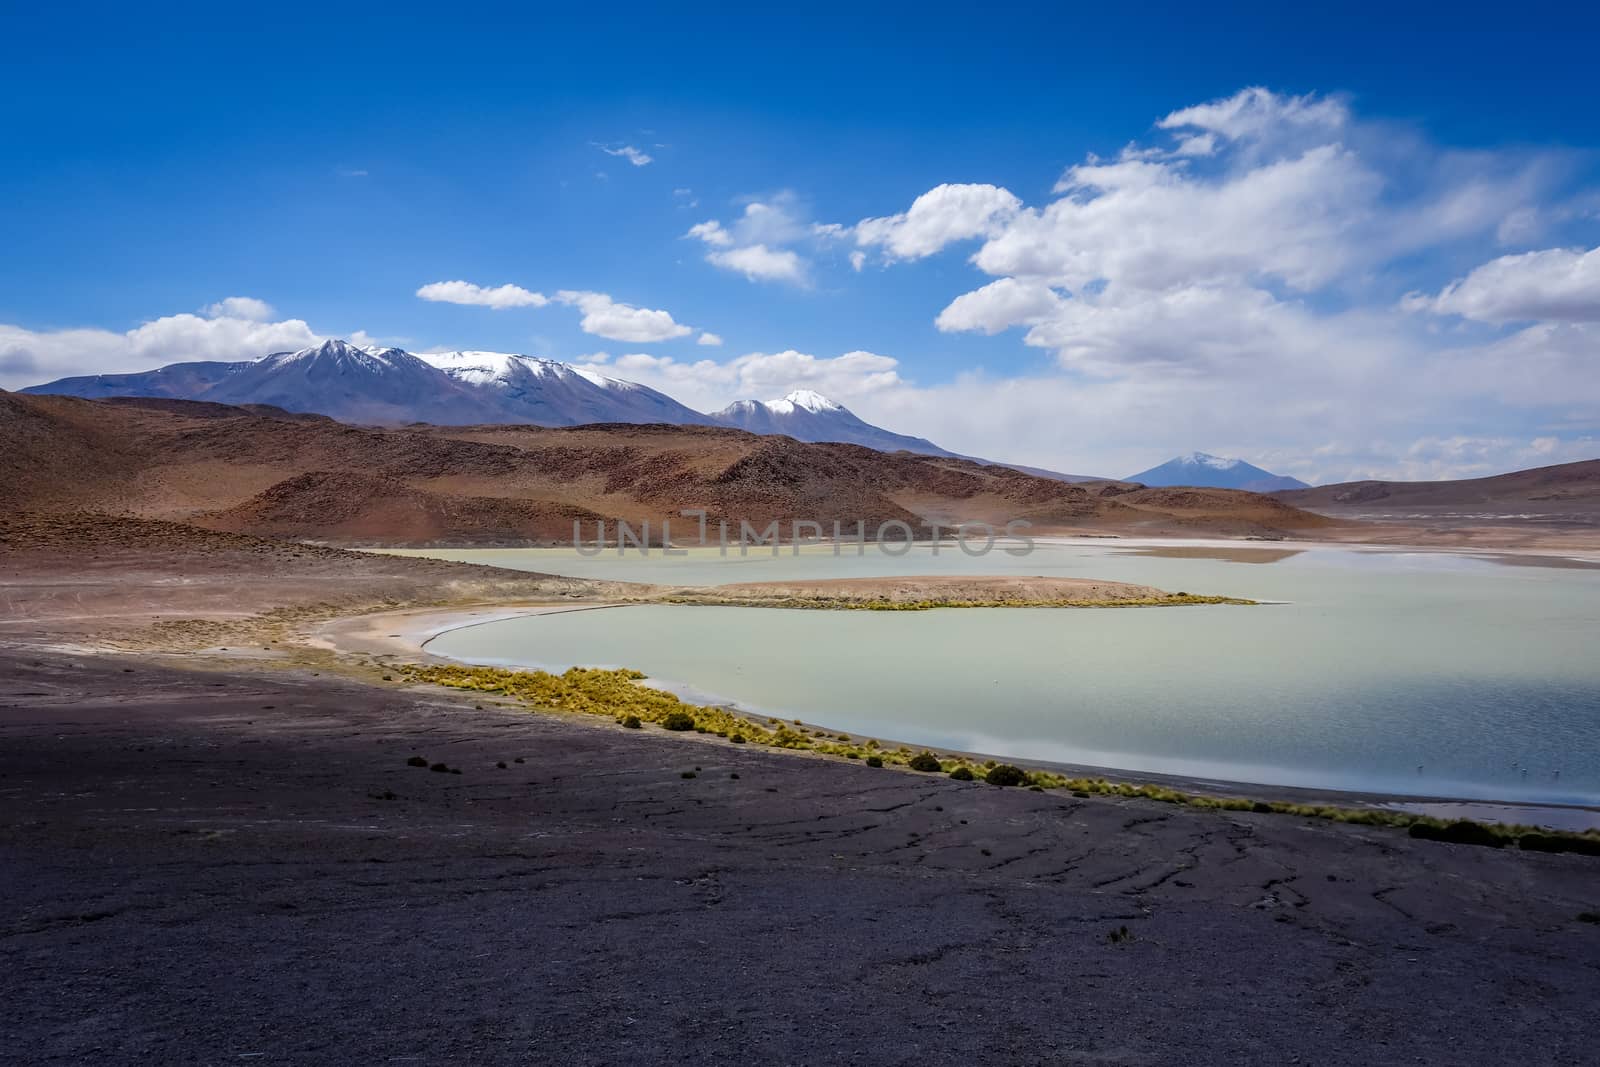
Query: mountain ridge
point(1562, 488)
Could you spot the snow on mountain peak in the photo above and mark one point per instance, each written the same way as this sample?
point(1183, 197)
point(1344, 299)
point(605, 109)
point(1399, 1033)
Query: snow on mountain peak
point(1217, 463)
point(336, 350)
point(802, 400)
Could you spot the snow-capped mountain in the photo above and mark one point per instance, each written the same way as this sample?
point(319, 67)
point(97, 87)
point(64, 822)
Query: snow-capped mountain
point(1218, 472)
point(336, 378)
point(809, 416)
point(549, 393)
point(391, 386)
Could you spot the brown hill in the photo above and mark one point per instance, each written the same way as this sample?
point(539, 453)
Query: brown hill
point(1565, 493)
point(265, 472)
point(347, 506)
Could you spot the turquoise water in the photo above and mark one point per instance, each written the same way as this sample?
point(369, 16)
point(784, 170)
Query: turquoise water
point(1407, 673)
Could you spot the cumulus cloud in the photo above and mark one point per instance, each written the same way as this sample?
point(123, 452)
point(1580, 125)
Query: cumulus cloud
point(628, 152)
point(943, 214)
point(498, 297)
point(616, 321)
point(708, 338)
point(33, 357)
point(1232, 286)
point(241, 307)
point(759, 243)
point(712, 233)
point(760, 263)
point(1206, 253)
point(1555, 285)
point(999, 306)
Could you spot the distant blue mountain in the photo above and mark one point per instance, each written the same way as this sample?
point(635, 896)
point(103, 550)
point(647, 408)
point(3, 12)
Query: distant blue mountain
point(1216, 472)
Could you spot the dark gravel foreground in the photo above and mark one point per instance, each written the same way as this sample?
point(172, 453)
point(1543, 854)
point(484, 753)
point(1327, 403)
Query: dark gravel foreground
point(188, 876)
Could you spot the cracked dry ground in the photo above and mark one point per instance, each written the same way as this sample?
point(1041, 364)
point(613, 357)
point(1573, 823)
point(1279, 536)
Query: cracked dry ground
point(190, 876)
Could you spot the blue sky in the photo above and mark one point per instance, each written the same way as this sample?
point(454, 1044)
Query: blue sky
point(1272, 279)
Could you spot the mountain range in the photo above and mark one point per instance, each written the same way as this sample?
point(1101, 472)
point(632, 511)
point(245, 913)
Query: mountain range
point(385, 386)
point(393, 387)
point(1219, 472)
point(390, 386)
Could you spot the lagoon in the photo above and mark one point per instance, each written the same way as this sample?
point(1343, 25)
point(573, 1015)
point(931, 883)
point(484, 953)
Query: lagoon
point(1409, 673)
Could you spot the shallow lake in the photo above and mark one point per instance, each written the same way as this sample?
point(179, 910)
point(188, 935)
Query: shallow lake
point(1412, 673)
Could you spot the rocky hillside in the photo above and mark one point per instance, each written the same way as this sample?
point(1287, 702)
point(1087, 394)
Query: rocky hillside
point(266, 472)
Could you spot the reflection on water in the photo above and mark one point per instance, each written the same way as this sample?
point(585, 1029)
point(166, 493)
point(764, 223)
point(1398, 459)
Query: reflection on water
point(1408, 673)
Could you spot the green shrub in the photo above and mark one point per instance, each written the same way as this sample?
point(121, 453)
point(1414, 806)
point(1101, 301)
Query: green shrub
point(678, 720)
point(1005, 774)
point(1460, 832)
point(440, 768)
point(962, 774)
point(632, 722)
point(417, 761)
point(687, 774)
point(737, 739)
point(1537, 842)
point(924, 761)
point(852, 754)
point(874, 761)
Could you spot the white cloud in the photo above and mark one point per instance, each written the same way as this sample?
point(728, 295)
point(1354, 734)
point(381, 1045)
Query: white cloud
point(858, 259)
point(943, 214)
point(1200, 144)
point(498, 297)
point(1555, 285)
point(755, 244)
point(712, 233)
point(33, 357)
point(998, 306)
point(760, 263)
point(628, 152)
point(710, 385)
point(241, 307)
point(605, 317)
point(708, 338)
point(1150, 225)
point(1234, 289)
point(1257, 112)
